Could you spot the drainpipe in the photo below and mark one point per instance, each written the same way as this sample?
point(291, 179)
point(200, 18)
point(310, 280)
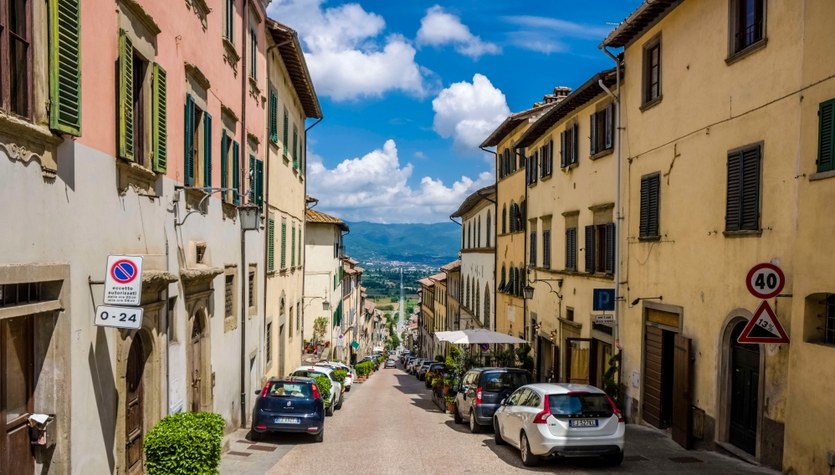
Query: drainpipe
point(244, 268)
point(619, 228)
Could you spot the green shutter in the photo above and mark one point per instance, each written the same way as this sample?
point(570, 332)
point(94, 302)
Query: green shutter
point(826, 133)
point(286, 131)
point(224, 165)
point(65, 66)
point(259, 182)
point(125, 96)
point(251, 182)
point(188, 141)
point(271, 245)
point(207, 150)
point(160, 119)
point(283, 244)
point(236, 173)
point(295, 147)
point(293, 246)
point(273, 117)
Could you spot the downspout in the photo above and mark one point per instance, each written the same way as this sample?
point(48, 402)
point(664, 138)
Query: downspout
point(619, 228)
point(244, 270)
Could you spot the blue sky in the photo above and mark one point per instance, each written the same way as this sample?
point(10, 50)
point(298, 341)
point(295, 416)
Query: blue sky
point(410, 88)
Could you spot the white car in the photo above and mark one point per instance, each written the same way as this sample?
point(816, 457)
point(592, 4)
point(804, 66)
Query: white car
point(569, 420)
point(349, 378)
point(335, 398)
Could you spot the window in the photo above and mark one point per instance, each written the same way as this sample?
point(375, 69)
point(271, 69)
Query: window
point(256, 181)
point(747, 23)
point(652, 71)
point(503, 282)
point(478, 232)
point(230, 295)
point(826, 134)
point(283, 244)
point(65, 69)
point(600, 248)
point(648, 227)
point(16, 56)
point(293, 245)
point(742, 212)
point(520, 155)
point(251, 289)
point(533, 247)
point(546, 159)
point(229, 20)
point(286, 133)
point(268, 343)
point(568, 145)
point(273, 119)
point(532, 169)
point(142, 104)
point(230, 168)
point(253, 54)
point(571, 249)
point(829, 322)
point(198, 143)
point(271, 244)
point(546, 248)
point(489, 226)
point(602, 129)
point(295, 147)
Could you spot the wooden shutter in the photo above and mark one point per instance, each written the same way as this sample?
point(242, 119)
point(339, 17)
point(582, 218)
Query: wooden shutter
point(224, 165)
point(826, 133)
point(293, 245)
point(590, 249)
point(271, 244)
point(575, 152)
point(236, 173)
point(252, 192)
point(649, 206)
point(571, 249)
point(188, 139)
point(283, 244)
point(682, 415)
point(563, 151)
point(259, 182)
point(733, 205)
point(65, 66)
point(207, 150)
point(273, 117)
point(295, 147)
point(160, 119)
point(593, 134)
point(126, 145)
point(533, 249)
point(609, 260)
point(610, 126)
point(750, 180)
point(286, 131)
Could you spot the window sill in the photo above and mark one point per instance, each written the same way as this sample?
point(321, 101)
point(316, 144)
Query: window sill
point(822, 175)
point(745, 52)
point(743, 233)
point(649, 238)
point(133, 175)
point(25, 142)
point(532, 184)
point(603, 153)
point(546, 177)
point(650, 104)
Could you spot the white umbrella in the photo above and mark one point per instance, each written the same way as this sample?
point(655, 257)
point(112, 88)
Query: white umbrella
point(449, 336)
point(481, 335)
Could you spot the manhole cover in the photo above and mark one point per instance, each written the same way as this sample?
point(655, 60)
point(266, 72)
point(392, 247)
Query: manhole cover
point(635, 458)
point(686, 460)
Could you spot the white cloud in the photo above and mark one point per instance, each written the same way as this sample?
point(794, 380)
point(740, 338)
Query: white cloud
point(544, 34)
point(345, 54)
point(439, 28)
point(375, 188)
point(469, 112)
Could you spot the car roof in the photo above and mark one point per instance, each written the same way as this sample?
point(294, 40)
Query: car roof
point(501, 368)
point(320, 369)
point(564, 388)
point(292, 379)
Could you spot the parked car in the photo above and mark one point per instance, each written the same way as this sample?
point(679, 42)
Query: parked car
point(334, 400)
point(433, 370)
point(291, 404)
point(413, 364)
point(569, 420)
point(349, 378)
point(420, 372)
point(481, 391)
point(390, 363)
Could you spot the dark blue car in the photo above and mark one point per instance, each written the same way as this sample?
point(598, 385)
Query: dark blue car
point(292, 404)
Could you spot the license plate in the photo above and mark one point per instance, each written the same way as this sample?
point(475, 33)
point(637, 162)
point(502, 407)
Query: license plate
point(287, 420)
point(582, 423)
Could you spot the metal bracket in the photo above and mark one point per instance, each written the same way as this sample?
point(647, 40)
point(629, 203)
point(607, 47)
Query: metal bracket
point(207, 190)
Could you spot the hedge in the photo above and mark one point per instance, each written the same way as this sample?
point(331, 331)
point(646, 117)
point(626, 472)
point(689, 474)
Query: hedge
point(340, 375)
point(364, 368)
point(184, 444)
point(324, 385)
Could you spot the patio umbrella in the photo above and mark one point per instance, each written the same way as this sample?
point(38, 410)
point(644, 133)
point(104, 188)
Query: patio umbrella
point(449, 336)
point(482, 335)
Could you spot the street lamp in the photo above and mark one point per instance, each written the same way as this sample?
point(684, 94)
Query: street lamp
point(249, 222)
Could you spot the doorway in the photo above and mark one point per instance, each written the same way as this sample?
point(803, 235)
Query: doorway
point(16, 394)
point(657, 404)
point(134, 413)
point(197, 377)
point(745, 381)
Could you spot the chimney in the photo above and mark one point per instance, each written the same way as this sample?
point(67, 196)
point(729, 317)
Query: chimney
point(560, 93)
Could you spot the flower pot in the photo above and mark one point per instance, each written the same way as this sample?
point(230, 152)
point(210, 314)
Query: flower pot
point(450, 407)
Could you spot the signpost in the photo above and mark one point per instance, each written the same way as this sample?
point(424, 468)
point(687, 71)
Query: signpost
point(122, 294)
point(764, 281)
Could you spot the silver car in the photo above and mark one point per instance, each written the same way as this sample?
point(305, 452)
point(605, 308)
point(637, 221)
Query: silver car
point(569, 420)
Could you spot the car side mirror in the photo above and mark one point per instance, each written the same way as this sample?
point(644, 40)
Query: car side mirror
point(257, 392)
point(504, 402)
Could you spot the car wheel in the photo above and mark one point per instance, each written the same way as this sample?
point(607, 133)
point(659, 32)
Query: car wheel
point(497, 435)
point(341, 400)
point(528, 459)
point(456, 415)
point(320, 437)
point(615, 459)
point(329, 410)
point(255, 436)
point(475, 427)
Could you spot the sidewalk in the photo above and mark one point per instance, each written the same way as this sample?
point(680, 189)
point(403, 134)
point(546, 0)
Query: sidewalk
point(242, 456)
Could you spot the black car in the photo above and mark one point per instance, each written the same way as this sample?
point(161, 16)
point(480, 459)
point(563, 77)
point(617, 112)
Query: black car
point(292, 404)
point(481, 393)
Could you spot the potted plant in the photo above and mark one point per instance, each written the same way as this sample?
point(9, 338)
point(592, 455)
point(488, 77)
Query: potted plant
point(449, 398)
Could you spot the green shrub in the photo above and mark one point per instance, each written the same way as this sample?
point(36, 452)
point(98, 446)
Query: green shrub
point(340, 375)
point(325, 386)
point(184, 444)
point(364, 368)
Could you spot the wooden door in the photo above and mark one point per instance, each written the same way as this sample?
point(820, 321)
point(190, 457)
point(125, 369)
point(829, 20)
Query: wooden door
point(579, 360)
point(134, 407)
point(682, 415)
point(653, 351)
point(16, 394)
point(745, 381)
point(197, 364)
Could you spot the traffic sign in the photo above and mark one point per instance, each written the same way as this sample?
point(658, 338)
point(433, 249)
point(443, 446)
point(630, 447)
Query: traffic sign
point(119, 317)
point(765, 280)
point(123, 280)
point(764, 327)
point(604, 319)
point(603, 299)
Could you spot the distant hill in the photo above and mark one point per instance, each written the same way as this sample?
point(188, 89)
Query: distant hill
point(431, 245)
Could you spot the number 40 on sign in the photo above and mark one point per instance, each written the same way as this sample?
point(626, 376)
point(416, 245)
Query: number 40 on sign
point(120, 317)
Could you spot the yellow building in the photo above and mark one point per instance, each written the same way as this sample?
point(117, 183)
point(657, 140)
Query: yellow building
point(714, 108)
point(570, 228)
point(426, 318)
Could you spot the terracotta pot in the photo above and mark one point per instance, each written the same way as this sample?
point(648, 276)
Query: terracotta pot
point(450, 407)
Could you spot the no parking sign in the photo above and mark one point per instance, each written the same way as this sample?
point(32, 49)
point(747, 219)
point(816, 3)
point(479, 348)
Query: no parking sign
point(123, 280)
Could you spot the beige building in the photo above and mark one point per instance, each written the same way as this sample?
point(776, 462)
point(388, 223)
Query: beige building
point(453, 294)
point(291, 100)
point(426, 319)
point(570, 232)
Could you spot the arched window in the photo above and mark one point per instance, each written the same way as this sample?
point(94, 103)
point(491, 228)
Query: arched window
point(504, 219)
point(477, 303)
point(503, 282)
point(486, 304)
point(520, 284)
point(512, 216)
point(489, 224)
point(467, 293)
point(478, 232)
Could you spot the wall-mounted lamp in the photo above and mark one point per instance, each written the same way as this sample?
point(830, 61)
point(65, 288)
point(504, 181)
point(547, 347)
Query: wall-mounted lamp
point(637, 300)
point(249, 217)
point(527, 291)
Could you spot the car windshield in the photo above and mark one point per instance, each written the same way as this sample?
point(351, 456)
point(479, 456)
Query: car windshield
point(309, 374)
point(500, 381)
point(287, 389)
point(580, 405)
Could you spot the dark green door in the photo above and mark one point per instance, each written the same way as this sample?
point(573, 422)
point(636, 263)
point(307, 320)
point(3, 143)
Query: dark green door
point(745, 377)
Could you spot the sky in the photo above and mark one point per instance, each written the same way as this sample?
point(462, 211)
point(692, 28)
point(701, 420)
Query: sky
point(409, 89)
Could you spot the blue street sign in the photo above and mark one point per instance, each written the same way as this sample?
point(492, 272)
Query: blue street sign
point(604, 299)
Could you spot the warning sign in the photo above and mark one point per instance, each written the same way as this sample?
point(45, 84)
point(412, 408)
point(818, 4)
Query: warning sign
point(763, 327)
point(123, 280)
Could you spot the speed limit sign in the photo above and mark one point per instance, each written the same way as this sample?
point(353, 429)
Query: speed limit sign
point(765, 280)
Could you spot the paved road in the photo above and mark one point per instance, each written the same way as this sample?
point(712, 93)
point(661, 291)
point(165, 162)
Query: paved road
point(389, 425)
